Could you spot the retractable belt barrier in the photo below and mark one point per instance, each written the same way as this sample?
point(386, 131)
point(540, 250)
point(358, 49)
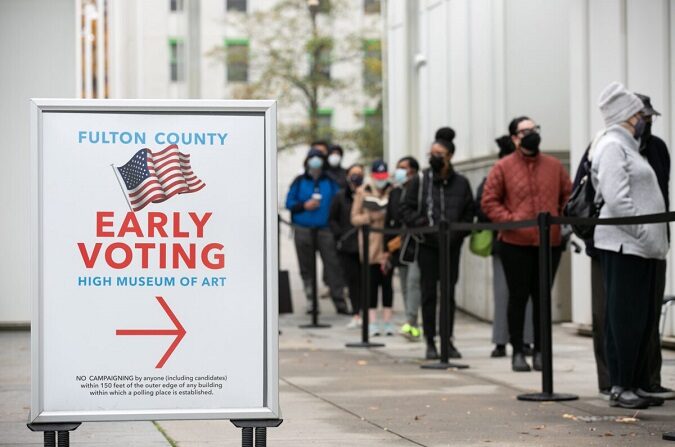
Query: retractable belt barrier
point(443, 230)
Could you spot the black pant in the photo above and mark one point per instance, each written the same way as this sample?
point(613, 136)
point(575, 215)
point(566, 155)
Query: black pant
point(351, 271)
point(429, 275)
point(654, 359)
point(521, 267)
point(599, 309)
point(380, 280)
point(630, 283)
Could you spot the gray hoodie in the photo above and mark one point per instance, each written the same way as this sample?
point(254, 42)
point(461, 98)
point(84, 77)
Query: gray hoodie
point(627, 183)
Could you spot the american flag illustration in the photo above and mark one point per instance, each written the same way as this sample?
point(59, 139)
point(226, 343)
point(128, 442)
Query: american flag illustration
point(153, 177)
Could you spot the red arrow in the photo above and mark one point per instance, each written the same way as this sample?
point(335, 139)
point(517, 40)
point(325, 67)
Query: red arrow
point(179, 332)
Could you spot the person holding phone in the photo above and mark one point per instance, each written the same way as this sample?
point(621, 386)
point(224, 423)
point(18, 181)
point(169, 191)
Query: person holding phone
point(370, 208)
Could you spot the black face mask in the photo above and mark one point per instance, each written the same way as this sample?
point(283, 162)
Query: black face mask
point(531, 143)
point(356, 180)
point(639, 127)
point(436, 163)
point(645, 136)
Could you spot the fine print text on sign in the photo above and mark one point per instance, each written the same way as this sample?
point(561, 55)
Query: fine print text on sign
point(156, 260)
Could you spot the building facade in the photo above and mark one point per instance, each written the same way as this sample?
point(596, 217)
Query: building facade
point(475, 64)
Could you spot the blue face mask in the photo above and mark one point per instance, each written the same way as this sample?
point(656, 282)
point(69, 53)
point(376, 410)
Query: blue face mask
point(381, 184)
point(315, 163)
point(400, 176)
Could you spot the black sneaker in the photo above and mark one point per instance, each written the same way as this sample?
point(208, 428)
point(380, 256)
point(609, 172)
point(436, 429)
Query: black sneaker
point(498, 351)
point(654, 401)
point(527, 350)
point(518, 363)
point(657, 391)
point(432, 353)
point(453, 353)
point(604, 393)
point(627, 399)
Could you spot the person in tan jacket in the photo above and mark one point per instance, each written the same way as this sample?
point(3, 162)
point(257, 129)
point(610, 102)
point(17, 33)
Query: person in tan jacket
point(369, 208)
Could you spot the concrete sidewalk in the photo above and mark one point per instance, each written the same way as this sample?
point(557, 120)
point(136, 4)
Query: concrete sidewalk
point(334, 396)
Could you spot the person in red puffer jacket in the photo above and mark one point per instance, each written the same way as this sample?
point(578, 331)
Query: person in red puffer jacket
point(519, 187)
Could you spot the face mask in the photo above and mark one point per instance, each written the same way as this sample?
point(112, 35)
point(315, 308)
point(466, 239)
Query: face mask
point(400, 176)
point(640, 127)
point(531, 143)
point(381, 184)
point(645, 136)
point(436, 163)
point(356, 180)
point(315, 163)
point(334, 160)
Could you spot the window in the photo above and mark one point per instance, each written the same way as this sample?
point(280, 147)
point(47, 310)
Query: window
point(372, 63)
point(237, 60)
point(175, 5)
point(371, 118)
point(176, 68)
point(325, 123)
point(236, 5)
point(371, 6)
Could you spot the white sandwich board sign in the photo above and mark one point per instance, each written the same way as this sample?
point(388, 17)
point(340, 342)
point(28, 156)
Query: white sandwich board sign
point(154, 260)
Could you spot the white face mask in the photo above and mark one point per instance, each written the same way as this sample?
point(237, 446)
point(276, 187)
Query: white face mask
point(334, 160)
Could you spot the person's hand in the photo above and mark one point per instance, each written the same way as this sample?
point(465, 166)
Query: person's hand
point(312, 204)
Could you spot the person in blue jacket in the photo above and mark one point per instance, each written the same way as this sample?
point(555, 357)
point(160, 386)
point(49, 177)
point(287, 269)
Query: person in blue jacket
point(309, 199)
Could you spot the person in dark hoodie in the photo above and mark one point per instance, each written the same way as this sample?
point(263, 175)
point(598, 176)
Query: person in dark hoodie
point(446, 196)
point(309, 199)
point(334, 168)
point(656, 151)
point(346, 239)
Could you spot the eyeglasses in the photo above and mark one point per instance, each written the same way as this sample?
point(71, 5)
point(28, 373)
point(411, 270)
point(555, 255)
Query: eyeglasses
point(526, 132)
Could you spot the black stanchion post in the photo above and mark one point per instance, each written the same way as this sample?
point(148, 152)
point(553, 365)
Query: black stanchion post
point(444, 276)
point(365, 293)
point(545, 277)
point(315, 286)
point(260, 426)
point(50, 431)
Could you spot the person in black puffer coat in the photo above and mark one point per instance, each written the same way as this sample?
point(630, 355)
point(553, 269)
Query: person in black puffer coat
point(446, 195)
point(346, 239)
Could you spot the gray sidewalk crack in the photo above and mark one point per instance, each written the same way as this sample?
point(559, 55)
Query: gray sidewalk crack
point(350, 412)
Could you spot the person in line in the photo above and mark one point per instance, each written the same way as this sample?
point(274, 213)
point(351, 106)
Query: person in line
point(446, 196)
point(658, 157)
point(308, 200)
point(369, 208)
point(519, 187)
point(500, 290)
point(335, 169)
point(321, 145)
point(627, 186)
point(598, 301)
point(346, 239)
point(407, 168)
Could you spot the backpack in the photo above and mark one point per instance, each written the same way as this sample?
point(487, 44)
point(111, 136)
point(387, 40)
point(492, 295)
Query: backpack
point(582, 200)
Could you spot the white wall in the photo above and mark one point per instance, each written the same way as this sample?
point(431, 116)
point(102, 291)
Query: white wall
point(38, 63)
point(631, 41)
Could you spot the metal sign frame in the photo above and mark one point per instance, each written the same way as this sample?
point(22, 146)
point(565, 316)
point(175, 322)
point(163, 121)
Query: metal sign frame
point(266, 108)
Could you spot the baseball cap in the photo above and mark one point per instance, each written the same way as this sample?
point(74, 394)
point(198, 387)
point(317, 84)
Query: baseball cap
point(648, 110)
point(378, 170)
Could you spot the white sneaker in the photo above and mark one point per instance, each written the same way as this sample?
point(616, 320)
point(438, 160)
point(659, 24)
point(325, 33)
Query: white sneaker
point(374, 330)
point(354, 323)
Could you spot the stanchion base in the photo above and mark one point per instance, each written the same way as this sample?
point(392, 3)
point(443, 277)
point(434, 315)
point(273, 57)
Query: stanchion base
point(365, 345)
point(547, 397)
point(669, 436)
point(314, 326)
point(443, 365)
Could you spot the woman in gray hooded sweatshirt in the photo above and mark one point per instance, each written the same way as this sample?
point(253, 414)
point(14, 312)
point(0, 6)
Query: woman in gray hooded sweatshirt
point(627, 185)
